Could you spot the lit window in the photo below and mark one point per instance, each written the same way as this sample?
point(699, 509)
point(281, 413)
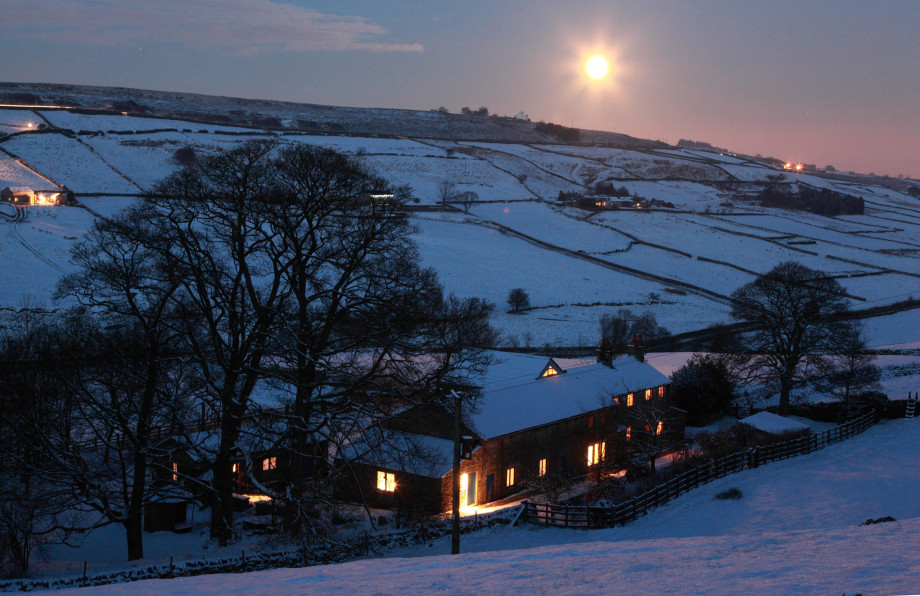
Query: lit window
point(661, 392)
point(596, 453)
point(175, 474)
point(235, 468)
point(509, 476)
point(629, 400)
point(628, 433)
point(541, 468)
point(386, 481)
point(660, 428)
point(550, 372)
point(648, 394)
point(269, 463)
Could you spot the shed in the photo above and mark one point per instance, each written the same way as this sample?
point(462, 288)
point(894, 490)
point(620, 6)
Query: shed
point(774, 424)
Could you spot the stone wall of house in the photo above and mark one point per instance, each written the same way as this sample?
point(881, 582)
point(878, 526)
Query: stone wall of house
point(564, 445)
point(413, 492)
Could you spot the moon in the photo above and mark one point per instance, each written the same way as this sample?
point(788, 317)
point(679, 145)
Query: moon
point(597, 67)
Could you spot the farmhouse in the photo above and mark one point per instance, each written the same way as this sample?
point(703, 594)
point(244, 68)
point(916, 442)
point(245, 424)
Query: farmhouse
point(532, 416)
point(17, 195)
point(22, 196)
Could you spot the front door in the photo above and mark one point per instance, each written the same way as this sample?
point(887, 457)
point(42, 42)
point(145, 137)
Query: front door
point(490, 488)
point(471, 489)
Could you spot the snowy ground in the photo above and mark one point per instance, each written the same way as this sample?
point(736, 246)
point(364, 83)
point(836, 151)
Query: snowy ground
point(797, 530)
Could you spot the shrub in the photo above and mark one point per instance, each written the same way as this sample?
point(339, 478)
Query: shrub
point(704, 387)
point(732, 494)
point(185, 156)
point(563, 133)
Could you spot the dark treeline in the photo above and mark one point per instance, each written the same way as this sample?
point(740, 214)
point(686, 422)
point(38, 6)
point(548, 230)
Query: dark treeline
point(820, 201)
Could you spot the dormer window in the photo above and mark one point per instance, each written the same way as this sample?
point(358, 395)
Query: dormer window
point(551, 369)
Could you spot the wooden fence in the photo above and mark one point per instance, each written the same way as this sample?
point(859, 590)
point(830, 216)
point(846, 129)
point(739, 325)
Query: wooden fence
point(581, 516)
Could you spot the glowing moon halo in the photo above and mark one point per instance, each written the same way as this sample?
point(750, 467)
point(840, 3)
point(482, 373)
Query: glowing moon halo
point(596, 67)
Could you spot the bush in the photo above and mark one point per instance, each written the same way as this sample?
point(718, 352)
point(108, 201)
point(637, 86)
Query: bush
point(563, 133)
point(732, 494)
point(704, 387)
point(185, 156)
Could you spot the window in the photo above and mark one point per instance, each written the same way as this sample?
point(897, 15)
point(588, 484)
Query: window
point(269, 463)
point(630, 399)
point(660, 428)
point(661, 392)
point(386, 481)
point(590, 421)
point(596, 453)
point(509, 476)
point(648, 394)
point(628, 433)
point(541, 468)
point(235, 468)
point(175, 472)
point(549, 372)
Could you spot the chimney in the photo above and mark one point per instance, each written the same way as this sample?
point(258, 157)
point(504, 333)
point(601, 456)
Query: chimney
point(604, 353)
point(636, 348)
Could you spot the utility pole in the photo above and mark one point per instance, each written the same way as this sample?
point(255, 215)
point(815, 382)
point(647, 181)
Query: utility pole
point(455, 488)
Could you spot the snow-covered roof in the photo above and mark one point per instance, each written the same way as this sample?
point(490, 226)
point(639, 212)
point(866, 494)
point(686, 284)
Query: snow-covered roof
point(772, 423)
point(513, 398)
point(19, 189)
point(402, 451)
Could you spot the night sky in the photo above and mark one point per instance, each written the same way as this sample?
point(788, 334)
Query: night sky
point(818, 81)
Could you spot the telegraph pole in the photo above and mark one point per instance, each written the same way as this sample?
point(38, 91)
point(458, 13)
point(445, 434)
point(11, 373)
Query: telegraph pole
point(455, 488)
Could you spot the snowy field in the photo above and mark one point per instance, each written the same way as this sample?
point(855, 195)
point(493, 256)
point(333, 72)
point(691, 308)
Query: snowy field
point(518, 185)
point(796, 530)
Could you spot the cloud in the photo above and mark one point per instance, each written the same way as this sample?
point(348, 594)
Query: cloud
point(237, 26)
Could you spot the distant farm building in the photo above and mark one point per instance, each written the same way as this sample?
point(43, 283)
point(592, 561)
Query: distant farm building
point(18, 195)
point(22, 196)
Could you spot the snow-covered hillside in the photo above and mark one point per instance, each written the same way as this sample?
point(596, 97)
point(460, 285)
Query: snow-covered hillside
point(796, 530)
point(679, 263)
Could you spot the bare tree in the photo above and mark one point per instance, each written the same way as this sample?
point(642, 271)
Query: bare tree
point(446, 192)
point(219, 246)
point(796, 310)
point(649, 426)
point(850, 370)
point(466, 199)
point(617, 328)
point(363, 330)
point(34, 413)
point(518, 299)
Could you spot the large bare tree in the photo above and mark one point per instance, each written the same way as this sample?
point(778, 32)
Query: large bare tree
point(797, 312)
point(218, 244)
